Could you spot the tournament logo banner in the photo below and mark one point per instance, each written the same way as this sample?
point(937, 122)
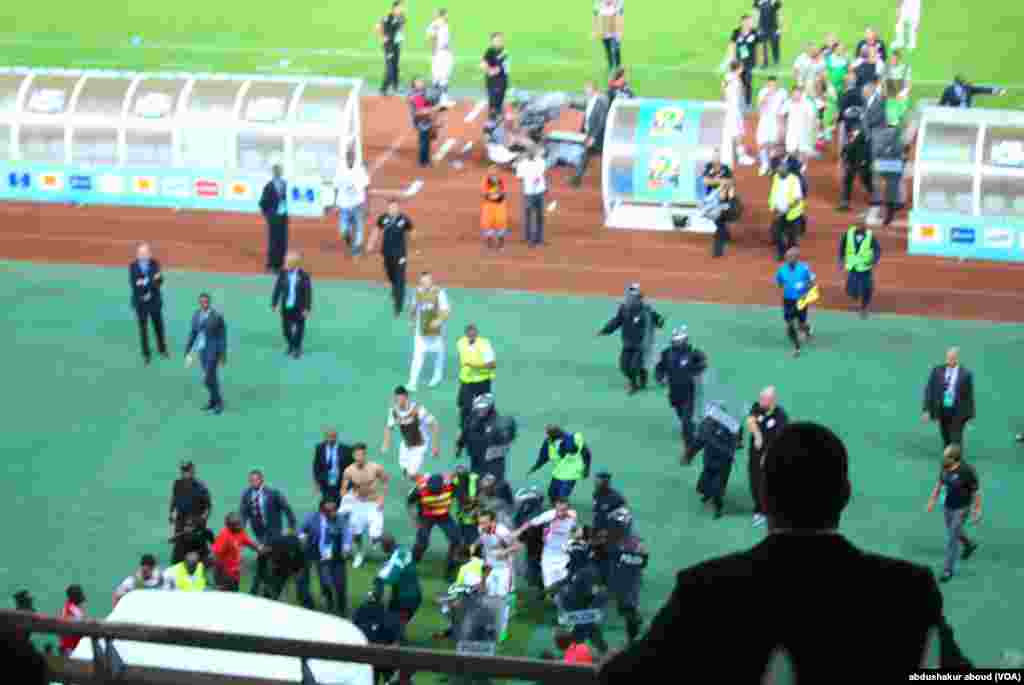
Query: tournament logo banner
point(666, 139)
point(663, 171)
point(240, 190)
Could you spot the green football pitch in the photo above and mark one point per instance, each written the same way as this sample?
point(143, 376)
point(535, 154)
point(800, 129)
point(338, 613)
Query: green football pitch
point(673, 49)
point(92, 437)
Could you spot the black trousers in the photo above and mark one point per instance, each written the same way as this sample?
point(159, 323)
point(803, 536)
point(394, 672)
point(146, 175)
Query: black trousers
point(952, 429)
point(293, 325)
point(747, 80)
point(145, 312)
point(212, 382)
point(467, 393)
point(754, 472)
point(786, 234)
point(631, 363)
point(394, 267)
point(715, 476)
point(424, 147)
point(613, 51)
point(860, 286)
point(721, 238)
point(850, 172)
point(771, 38)
point(392, 55)
point(684, 410)
point(496, 88)
point(588, 152)
point(277, 241)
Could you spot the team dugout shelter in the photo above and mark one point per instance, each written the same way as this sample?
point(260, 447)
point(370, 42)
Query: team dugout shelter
point(178, 140)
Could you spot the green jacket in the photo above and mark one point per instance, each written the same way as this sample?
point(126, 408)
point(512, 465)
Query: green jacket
point(400, 573)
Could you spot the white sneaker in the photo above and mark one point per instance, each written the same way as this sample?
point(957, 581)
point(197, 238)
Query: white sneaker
point(434, 383)
point(747, 160)
point(759, 520)
point(358, 561)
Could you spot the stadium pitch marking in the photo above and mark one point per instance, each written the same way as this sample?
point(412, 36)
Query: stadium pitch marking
point(414, 187)
point(388, 154)
point(476, 112)
point(552, 206)
point(445, 148)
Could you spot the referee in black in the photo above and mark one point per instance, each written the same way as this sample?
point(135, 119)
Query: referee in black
point(395, 229)
point(765, 422)
point(495, 67)
point(390, 30)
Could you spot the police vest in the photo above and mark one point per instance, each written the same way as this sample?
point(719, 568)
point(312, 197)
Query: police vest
point(427, 300)
point(474, 354)
point(468, 510)
point(789, 186)
point(189, 583)
point(862, 258)
point(471, 573)
point(569, 466)
point(431, 505)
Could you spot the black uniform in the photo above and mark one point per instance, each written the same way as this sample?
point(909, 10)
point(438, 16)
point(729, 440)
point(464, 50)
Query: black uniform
point(487, 438)
point(583, 600)
point(274, 207)
point(293, 311)
point(719, 436)
point(197, 539)
point(771, 424)
point(190, 499)
point(605, 502)
point(148, 303)
point(856, 157)
point(768, 28)
point(394, 245)
point(498, 83)
point(635, 318)
point(391, 26)
point(625, 564)
point(381, 626)
point(679, 367)
point(286, 558)
point(887, 159)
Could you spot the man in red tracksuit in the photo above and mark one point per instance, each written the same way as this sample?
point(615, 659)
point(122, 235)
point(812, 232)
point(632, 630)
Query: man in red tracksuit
point(227, 550)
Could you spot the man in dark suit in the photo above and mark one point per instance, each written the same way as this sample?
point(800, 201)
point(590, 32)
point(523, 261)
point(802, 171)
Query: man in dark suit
point(330, 459)
point(208, 340)
point(146, 280)
point(810, 591)
point(328, 540)
point(595, 115)
point(274, 206)
point(949, 398)
point(960, 93)
point(294, 292)
point(262, 508)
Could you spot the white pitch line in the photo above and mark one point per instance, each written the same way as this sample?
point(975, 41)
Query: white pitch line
point(552, 206)
point(413, 188)
point(467, 147)
point(445, 148)
point(388, 154)
point(476, 111)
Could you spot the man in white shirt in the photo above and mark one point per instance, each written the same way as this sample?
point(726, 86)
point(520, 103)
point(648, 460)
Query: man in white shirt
point(806, 67)
point(769, 104)
point(148, 577)
point(558, 526)
point(429, 312)
point(351, 184)
point(499, 547)
point(532, 170)
point(907, 23)
point(443, 60)
point(801, 122)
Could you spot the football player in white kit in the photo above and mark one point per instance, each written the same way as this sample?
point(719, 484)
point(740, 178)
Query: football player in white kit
point(429, 311)
point(906, 25)
point(364, 486)
point(770, 100)
point(420, 431)
point(443, 61)
point(558, 526)
point(735, 124)
point(499, 547)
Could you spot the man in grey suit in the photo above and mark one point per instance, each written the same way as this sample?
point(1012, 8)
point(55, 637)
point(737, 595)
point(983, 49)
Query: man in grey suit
point(595, 114)
point(264, 508)
point(208, 341)
point(872, 121)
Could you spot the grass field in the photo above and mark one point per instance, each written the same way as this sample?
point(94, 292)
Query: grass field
point(672, 48)
point(92, 437)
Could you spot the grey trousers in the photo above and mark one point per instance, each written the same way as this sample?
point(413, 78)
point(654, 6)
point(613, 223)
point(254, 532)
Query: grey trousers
point(955, 519)
point(533, 218)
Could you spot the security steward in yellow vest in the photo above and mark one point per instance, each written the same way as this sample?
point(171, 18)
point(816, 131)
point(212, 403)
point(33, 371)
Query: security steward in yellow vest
point(859, 252)
point(476, 369)
point(569, 457)
point(187, 576)
point(430, 504)
point(787, 204)
point(467, 504)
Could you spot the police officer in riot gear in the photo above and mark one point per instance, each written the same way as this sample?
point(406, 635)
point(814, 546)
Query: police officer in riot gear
point(637, 320)
point(625, 559)
point(680, 367)
point(487, 437)
point(719, 435)
point(582, 599)
point(606, 500)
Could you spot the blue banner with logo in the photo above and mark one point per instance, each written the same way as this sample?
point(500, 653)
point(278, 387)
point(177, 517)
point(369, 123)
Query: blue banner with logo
point(667, 134)
point(999, 239)
point(153, 187)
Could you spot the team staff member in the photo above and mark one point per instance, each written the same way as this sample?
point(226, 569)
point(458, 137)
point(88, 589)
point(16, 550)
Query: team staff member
point(430, 504)
point(330, 459)
point(570, 460)
point(856, 161)
point(962, 490)
point(146, 281)
point(495, 67)
point(265, 510)
point(190, 499)
point(960, 93)
point(390, 31)
point(765, 422)
point(476, 369)
point(294, 292)
point(743, 48)
point(328, 541)
point(493, 209)
point(796, 279)
point(209, 341)
point(274, 206)
point(949, 398)
point(396, 232)
point(859, 253)
point(681, 366)
point(787, 201)
point(769, 29)
point(715, 172)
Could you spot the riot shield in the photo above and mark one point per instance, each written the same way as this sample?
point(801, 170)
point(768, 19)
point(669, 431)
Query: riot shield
point(583, 601)
point(650, 348)
point(719, 399)
point(477, 624)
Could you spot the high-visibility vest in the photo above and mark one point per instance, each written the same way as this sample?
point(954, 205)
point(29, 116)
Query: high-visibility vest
point(474, 354)
point(467, 515)
point(471, 572)
point(431, 505)
point(861, 259)
point(789, 185)
point(189, 583)
point(569, 466)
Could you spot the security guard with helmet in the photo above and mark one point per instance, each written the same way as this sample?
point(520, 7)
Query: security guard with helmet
point(859, 252)
point(680, 367)
point(624, 558)
point(569, 457)
point(720, 435)
point(487, 436)
point(467, 504)
point(430, 504)
point(637, 319)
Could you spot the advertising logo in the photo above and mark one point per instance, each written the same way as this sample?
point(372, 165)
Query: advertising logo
point(144, 185)
point(111, 184)
point(927, 233)
point(207, 188)
point(962, 235)
point(668, 121)
point(16, 181)
point(1001, 238)
point(80, 182)
point(240, 190)
point(176, 186)
point(663, 169)
point(53, 180)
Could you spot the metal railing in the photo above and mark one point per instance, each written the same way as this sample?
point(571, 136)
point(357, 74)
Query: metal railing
point(106, 666)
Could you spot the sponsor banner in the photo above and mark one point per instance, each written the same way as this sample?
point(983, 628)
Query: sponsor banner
point(19, 180)
point(928, 233)
point(176, 186)
point(1000, 238)
point(240, 190)
point(667, 138)
point(80, 182)
point(304, 191)
point(144, 185)
point(207, 188)
point(963, 235)
point(51, 180)
point(111, 184)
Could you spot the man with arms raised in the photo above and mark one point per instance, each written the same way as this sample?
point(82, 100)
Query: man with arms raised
point(360, 491)
point(558, 523)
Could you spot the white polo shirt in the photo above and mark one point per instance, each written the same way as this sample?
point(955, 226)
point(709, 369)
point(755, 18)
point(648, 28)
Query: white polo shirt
point(352, 184)
point(532, 172)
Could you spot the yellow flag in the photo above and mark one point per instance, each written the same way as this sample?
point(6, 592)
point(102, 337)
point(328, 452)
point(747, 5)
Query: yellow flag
point(812, 296)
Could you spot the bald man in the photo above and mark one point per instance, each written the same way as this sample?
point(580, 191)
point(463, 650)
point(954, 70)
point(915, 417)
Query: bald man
point(949, 398)
point(146, 280)
point(765, 421)
point(293, 291)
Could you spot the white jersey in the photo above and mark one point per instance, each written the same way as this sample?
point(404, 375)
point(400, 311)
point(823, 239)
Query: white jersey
point(557, 531)
point(492, 543)
point(801, 121)
point(769, 104)
point(733, 92)
point(413, 415)
point(438, 31)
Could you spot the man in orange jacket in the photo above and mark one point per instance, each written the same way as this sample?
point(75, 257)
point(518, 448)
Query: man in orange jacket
point(494, 209)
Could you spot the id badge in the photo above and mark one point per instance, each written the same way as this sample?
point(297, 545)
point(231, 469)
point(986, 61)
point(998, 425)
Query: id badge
point(947, 398)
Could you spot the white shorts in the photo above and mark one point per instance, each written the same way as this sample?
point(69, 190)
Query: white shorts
point(441, 66)
point(768, 130)
point(501, 581)
point(411, 458)
point(554, 567)
point(366, 518)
